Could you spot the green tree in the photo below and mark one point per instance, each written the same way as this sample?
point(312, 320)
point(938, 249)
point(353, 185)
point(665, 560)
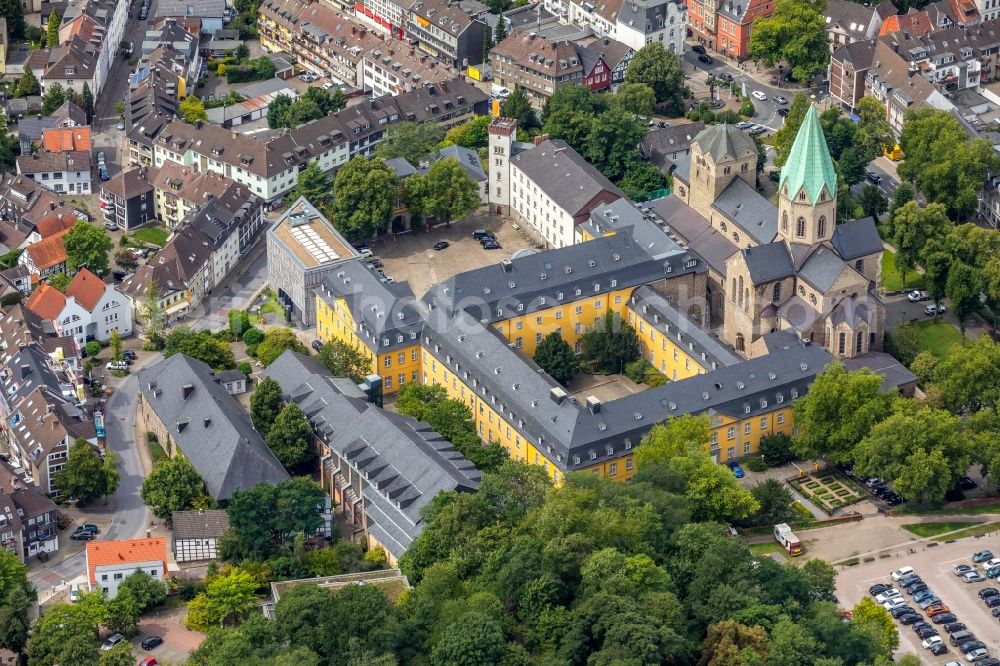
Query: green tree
point(364, 197)
point(265, 404)
point(942, 162)
point(785, 137)
point(277, 111)
point(59, 281)
point(923, 366)
point(277, 340)
point(344, 360)
point(126, 260)
point(14, 13)
point(775, 502)
point(727, 640)
point(963, 288)
point(575, 99)
point(475, 640)
point(302, 617)
point(661, 71)
point(109, 475)
point(923, 450)
point(473, 134)
point(874, 133)
point(637, 98)
point(911, 228)
point(28, 84)
point(315, 186)
point(87, 97)
point(87, 245)
point(119, 655)
point(776, 449)
point(65, 634)
point(411, 141)
point(969, 376)
point(641, 178)
point(152, 311)
point(874, 620)
point(145, 590)
point(840, 408)
point(116, 346)
point(447, 192)
point(201, 345)
point(265, 518)
point(239, 322)
point(192, 109)
point(14, 613)
point(173, 485)
point(873, 202)
point(610, 343)
point(611, 142)
point(291, 437)
point(500, 31)
point(518, 107)
point(54, 97)
point(82, 477)
point(556, 357)
point(230, 595)
point(52, 30)
point(795, 33)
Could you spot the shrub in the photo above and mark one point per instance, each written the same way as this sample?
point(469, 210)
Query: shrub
point(13, 298)
point(636, 370)
point(245, 368)
point(747, 108)
point(253, 336)
point(92, 348)
point(776, 449)
point(755, 463)
point(654, 378)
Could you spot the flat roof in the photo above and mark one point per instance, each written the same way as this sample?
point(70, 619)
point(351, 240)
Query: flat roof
point(310, 237)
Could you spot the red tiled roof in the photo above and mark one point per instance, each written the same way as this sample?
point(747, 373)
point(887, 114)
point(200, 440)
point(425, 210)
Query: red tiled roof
point(46, 301)
point(56, 222)
point(48, 252)
point(111, 553)
point(87, 289)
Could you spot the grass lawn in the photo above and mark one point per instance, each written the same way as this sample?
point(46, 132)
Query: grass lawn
point(933, 529)
point(767, 548)
point(937, 337)
point(983, 528)
point(156, 451)
point(969, 511)
point(153, 235)
point(892, 280)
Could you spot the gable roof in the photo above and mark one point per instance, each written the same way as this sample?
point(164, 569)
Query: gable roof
point(857, 238)
point(743, 205)
point(822, 268)
point(208, 524)
point(48, 252)
point(213, 432)
point(725, 140)
point(565, 177)
point(767, 263)
point(809, 165)
point(120, 553)
point(46, 301)
point(87, 289)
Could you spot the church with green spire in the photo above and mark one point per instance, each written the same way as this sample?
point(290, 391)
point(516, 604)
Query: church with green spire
point(791, 272)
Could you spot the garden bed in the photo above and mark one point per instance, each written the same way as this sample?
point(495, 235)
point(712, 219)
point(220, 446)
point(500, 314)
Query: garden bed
point(829, 490)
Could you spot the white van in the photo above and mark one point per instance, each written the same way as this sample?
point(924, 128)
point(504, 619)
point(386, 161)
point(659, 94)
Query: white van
point(500, 92)
point(900, 573)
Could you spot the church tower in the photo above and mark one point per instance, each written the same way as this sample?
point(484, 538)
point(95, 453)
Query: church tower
point(807, 190)
point(501, 132)
point(719, 154)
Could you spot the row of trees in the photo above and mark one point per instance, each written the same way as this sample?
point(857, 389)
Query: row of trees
point(284, 426)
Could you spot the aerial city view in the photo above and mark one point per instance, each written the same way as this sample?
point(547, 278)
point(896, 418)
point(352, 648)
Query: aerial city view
point(500, 332)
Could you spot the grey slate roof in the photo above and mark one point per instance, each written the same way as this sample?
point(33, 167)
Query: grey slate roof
point(821, 268)
point(895, 373)
point(559, 171)
point(857, 238)
point(209, 426)
point(401, 167)
point(745, 207)
point(724, 140)
point(704, 240)
point(648, 230)
point(191, 8)
point(664, 316)
point(537, 281)
point(405, 464)
point(199, 524)
point(468, 159)
point(767, 263)
point(386, 313)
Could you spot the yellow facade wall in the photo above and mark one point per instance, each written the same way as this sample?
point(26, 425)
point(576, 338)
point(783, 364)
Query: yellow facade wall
point(663, 353)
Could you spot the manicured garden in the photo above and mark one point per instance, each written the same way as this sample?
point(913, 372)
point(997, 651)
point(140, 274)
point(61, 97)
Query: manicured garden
point(829, 490)
point(152, 235)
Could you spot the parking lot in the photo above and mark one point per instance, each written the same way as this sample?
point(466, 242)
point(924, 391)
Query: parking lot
point(411, 258)
point(936, 567)
point(178, 641)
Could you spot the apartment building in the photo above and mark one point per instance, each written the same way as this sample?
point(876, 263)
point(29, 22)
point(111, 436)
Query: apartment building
point(65, 172)
point(109, 563)
point(452, 32)
point(89, 35)
point(29, 520)
point(127, 200)
point(178, 190)
point(393, 69)
point(90, 309)
point(849, 22)
point(894, 82)
point(536, 64)
point(848, 72)
point(632, 22)
point(724, 25)
point(386, 16)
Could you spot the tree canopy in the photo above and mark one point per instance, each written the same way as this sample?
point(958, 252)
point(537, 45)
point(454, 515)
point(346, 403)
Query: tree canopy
point(655, 67)
point(364, 197)
point(796, 34)
point(556, 357)
point(173, 485)
point(343, 360)
point(291, 437)
point(87, 245)
point(202, 345)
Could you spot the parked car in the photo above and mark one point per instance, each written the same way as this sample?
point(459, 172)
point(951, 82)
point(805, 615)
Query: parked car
point(916, 588)
point(374, 262)
point(744, 125)
point(990, 661)
point(977, 655)
point(707, 59)
point(366, 251)
point(931, 601)
point(878, 588)
point(902, 610)
point(938, 649)
point(965, 483)
point(953, 627)
point(909, 618)
point(944, 618)
point(971, 645)
point(737, 470)
point(149, 661)
point(112, 641)
point(480, 234)
point(982, 556)
point(934, 310)
point(441, 245)
point(873, 178)
point(100, 158)
point(116, 365)
point(910, 579)
point(492, 245)
point(317, 344)
point(973, 577)
point(993, 572)
point(759, 96)
point(917, 296)
point(783, 112)
point(111, 226)
point(992, 602)
point(128, 355)
point(698, 48)
point(780, 99)
point(924, 634)
point(892, 603)
point(932, 640)
point(963, 569)
point(150, 642)
point(920, 626)
point(120, 125)
point(989, 564)
point(74, 593)
point(725, 76)
point(80, 534)
point(940, 609)
point(920, 596)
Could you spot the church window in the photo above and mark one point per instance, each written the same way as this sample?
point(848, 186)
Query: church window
point(822, 226)
point(739, 342)
point(858, 341)
point(741, 291)
point(776, 292)
point(746, 300)
point(734, 290)
point(812, 297)
point(722, 225)
point(726, 171)
point(859, 265)
point(784, 221)
point(743, 168)
point(842, 343)
point(736, 237)
point(802, 195)
point(802, 290)
point(800, 227)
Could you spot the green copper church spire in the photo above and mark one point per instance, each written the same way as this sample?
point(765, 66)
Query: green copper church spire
point(809, 164)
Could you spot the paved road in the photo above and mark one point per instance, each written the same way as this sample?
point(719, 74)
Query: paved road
point(766, 109)
point(235, 292)
point(131, 517)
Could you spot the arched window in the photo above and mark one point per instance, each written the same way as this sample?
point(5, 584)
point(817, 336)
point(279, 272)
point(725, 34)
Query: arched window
point(776, 292)
point(784, 221)
point(722, 225)
point(746, 300)
point(821, 229)
point(812, 297)
point(739, 342)
point(743, 168)
point(734, 290)
point(800, 227)
point(741, 291)
point(736, 237)
point(726, 171)
point(859, 339)
point(802, 195)
point(859, 265)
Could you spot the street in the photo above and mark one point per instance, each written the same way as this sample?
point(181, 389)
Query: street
point(236, 291)
point(767, 110)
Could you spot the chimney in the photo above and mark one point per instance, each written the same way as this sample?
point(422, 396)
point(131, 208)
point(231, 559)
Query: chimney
point(506, 265)
point(593, 404)
point(557, 395)
point(540, 139)
point(188, 389)
point(182, 423)
point(207, 421)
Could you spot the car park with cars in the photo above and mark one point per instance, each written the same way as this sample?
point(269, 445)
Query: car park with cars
point(944, 618)
point(982, 556)
point(962, 569)
point(884, 596)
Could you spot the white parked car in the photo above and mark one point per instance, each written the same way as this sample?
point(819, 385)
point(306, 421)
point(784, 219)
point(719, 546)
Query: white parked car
point(917, 296)
point(989, 564)
point(894, 602)
point(74, 593)
point(758, 95)
point(934, 310)
point(901, 572)
point(933, 640)
point(888, 594)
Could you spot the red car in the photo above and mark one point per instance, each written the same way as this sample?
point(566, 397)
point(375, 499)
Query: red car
point(149, 661)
